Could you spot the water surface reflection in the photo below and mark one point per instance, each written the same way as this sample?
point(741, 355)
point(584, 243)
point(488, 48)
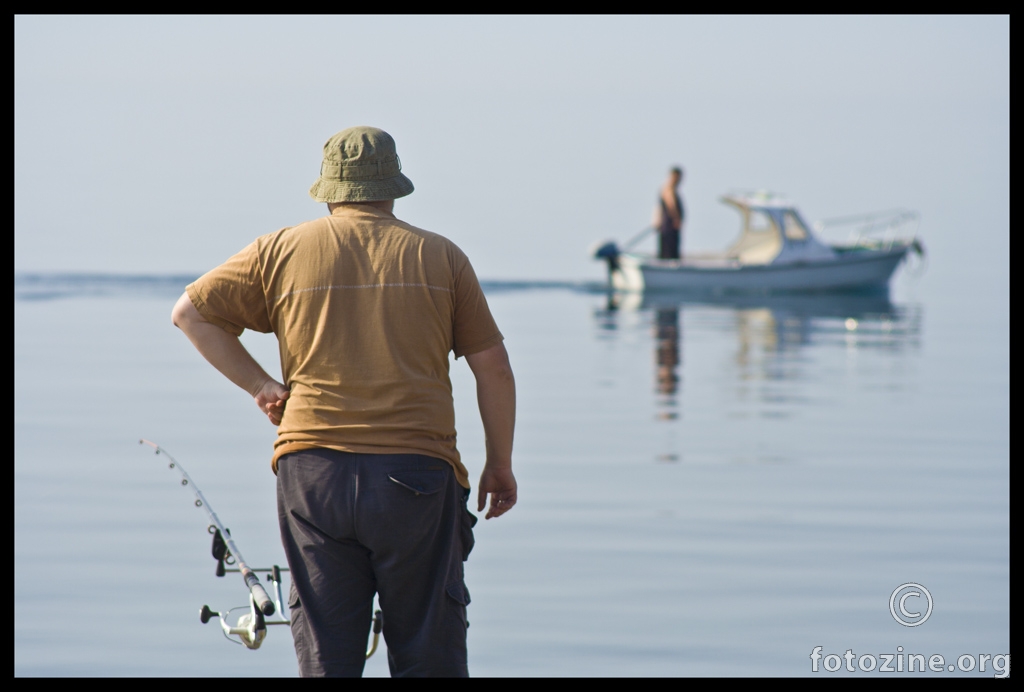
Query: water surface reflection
point(768, 357)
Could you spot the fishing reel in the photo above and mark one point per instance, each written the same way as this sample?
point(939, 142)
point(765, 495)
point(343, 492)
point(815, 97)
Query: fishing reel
point(251, 627)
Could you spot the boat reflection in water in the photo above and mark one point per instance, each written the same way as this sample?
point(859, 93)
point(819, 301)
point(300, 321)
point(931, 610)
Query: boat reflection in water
point(770, 371)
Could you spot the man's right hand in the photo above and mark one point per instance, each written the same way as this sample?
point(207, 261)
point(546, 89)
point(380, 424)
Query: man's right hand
point(226, 353)
point(271, 398)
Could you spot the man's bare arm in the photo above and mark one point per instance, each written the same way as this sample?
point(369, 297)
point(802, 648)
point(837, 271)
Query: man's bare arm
point(496, 397)
point(226, 353)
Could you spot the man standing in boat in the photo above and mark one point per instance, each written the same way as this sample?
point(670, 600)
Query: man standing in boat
point(669, 217)
point(371, 488)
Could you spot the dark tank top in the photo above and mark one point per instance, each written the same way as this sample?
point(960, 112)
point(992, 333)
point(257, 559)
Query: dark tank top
point(669, 236)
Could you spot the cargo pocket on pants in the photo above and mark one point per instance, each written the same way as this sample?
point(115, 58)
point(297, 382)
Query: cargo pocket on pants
point(304, 649)
point(458, 592)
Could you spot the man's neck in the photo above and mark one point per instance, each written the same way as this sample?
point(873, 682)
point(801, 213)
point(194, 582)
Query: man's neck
point(387, 205)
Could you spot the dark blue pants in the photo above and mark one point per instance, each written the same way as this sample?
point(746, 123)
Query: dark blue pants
point(396, 525)
point(669, 240)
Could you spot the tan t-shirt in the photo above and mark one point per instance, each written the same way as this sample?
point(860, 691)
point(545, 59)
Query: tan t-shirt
point(365, 308)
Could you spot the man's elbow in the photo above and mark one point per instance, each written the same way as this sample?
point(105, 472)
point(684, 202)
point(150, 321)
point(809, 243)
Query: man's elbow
point(499, 374)
point(184, 312)
point(503, 370)
point(492, 364)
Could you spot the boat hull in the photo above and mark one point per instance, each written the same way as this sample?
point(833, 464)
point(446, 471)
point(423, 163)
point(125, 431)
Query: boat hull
point(848, 271)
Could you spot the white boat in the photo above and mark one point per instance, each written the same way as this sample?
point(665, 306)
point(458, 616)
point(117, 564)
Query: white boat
point(775, 252)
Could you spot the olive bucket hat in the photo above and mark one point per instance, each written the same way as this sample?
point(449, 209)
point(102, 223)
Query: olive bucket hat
point(360, 165)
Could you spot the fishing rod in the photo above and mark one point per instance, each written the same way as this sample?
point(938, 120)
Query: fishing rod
point(251, 628)
point(637, 238)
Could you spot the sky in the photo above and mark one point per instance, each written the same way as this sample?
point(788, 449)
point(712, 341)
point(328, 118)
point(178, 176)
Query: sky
point(166, 144)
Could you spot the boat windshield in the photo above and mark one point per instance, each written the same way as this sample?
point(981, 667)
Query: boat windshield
point(794, 227)
point(760, 222)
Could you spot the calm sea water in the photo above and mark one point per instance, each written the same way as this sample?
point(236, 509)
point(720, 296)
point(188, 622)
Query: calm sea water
point(706, 487)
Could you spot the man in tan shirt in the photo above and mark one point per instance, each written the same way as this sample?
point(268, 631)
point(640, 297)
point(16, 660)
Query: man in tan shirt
point(371, 487)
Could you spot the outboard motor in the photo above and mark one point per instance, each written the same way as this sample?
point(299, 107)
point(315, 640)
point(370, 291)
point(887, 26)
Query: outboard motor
point(609, 252)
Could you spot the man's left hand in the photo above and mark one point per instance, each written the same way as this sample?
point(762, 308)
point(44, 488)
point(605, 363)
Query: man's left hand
point(501, 485)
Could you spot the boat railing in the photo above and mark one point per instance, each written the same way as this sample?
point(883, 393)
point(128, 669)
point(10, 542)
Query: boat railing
point(877, 230)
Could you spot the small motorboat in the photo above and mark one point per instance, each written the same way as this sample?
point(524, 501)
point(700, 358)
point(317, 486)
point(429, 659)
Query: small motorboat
point(775, 252)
